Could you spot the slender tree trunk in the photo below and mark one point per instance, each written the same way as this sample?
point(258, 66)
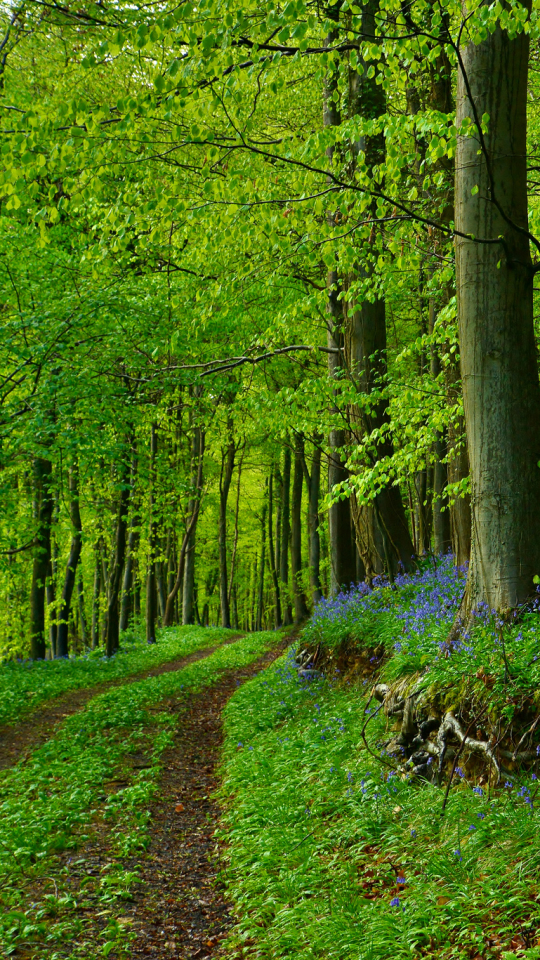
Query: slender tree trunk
point(190, 529)
point(117, 567)
point(285, 537)
point(189, 572)
point(151, 597)
point(128, 586)
point(458, 472)
point(300, 605)
point(95, 598)
point(236, 528)
point(227, 467)
point(314, 490)
point(44, 505)
point(495, 308)
point(262, 561)
point(62, 646)
point(271, 553)
point(82, 611)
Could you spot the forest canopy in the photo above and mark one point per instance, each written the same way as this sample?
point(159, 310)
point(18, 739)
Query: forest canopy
point(267, 280)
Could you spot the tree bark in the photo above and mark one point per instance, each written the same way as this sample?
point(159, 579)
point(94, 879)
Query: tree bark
point(44, 505)
point(151, 596)
point(285, 537)
point(95, 598)
point(197, 444)
point(342, 560)
point(300, 605)
point(227, 466)
point(117, 566)
point(62, 646)
point(133, 543)
point(367, 330)
point(82, 611)
point(495, 308)
point(271, 553)
point(262, 561)
point(190, 528)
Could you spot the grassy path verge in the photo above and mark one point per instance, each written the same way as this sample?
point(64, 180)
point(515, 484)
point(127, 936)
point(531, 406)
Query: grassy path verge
point(18, 740)
point(330, 854)
point(93, 781)
point(25, 685)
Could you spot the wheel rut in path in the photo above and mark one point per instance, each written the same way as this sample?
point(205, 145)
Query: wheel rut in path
point(17, 741)
point(178, 911)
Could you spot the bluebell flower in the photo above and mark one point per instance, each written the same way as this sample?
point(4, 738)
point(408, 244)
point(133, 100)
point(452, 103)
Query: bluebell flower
point(395, 902)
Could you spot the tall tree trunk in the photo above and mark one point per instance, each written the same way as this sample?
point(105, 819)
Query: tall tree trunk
point(62, 646)
point(151, 596)
point(442, 540)
point(236, 528)
point(227, 467)
point(262, 561)
point(458, 471)
point(367, 328)
point(195, 505)
point(313, 525)
point(117, 566)
point(300, 605)
point(127, 586)
point(271, 553)
point(44, 505)
point(197, 445)
point(495, 307)
point(342, 561)
point(285, 537)
point(82, 610)
point(95, 598)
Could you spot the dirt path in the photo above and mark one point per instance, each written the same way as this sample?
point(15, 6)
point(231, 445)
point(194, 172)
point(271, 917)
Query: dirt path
point(17, 741)
point(178, 911)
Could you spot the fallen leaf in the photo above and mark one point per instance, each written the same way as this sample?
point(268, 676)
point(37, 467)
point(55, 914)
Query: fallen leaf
point(179, 807)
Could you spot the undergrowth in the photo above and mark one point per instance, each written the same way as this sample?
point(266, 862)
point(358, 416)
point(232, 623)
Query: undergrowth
point(330, 853)
point(52, 802)
point(24, 684)
point(333, 847)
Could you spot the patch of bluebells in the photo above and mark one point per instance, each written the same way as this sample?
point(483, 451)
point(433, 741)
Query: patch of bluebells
point(417, 599)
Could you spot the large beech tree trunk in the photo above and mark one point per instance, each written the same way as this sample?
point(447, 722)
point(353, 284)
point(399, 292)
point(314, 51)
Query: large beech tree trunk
point(495, 307)
point(342, 558)
point(458, 471)
point(367, 329)
point(71, 567)
point(44, 505)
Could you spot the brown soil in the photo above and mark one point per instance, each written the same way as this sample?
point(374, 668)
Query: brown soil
point(177, 909)
point(17, 741)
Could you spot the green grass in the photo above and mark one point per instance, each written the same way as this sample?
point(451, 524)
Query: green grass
point(318, 831)
point(24, 685)
point(50, 803)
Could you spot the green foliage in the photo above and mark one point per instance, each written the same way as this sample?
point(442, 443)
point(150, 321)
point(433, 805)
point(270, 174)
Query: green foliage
point(23, 686)
point(323, 839)
point(53, 801)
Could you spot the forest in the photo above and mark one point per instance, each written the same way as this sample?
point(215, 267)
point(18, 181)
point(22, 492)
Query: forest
point(270, 479)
